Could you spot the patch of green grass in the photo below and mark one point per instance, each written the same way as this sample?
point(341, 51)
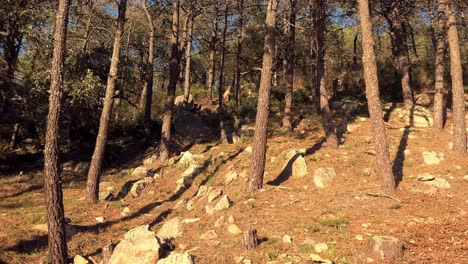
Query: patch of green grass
point(305, 248)
point(271, 249)
point(312, 228)
point(336, 223)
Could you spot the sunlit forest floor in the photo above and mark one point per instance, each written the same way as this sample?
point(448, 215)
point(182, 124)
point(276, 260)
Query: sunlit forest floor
point(429, 221)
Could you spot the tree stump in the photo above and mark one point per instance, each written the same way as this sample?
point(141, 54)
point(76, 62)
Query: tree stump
point(250, 240)
point(107, 253)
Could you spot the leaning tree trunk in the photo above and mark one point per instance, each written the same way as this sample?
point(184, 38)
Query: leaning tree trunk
point(57, 241)
point(188, 58)
point(239, 51)
point(171, 88)
point(439, 106)
point(222, 129)
point(289, 73)
point(257, 168)
point(327, 120)
point(384, 165)
point(456, 72)
point(96, 162)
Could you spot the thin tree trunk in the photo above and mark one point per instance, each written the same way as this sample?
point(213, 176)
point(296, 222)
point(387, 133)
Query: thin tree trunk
point(439, 106)
point(223, 136)
point(384, 167)
point(327, 120)
point(92, 186)
point(14, 136)
point(171, 88)
point(188, 56)
point(57, 242)
point(257, 168)
point(212, 70)
point(289, 73)
point(456, 72)
point(239, 51)
point(315, 89)
point(430, 10)
point(147, 93)
point(401, 54)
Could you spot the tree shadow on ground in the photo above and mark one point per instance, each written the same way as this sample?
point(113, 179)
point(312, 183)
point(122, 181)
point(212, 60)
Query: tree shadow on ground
point(287, 170)
point(399, 160)
point(389, 111)
point(38, 242)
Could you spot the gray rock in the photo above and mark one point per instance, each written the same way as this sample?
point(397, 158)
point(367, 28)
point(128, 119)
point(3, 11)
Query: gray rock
point(438, 183)
point(209, 235)
point(387, 247)
point(137, 188)
point(177, 258)
point(230, 177)
point(425, 177)
point(214, 194)
point(423, 100)
point(82, 168)
point(432, 158)
point(223, 203)
point(234, 229)
point(139, 245)
point(323, 177)
point(140, 171)
point(172, 228)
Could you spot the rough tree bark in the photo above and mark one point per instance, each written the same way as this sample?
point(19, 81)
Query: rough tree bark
point(147, 93)
point(257, 168)
point(456, 72)
point(439, 106)
point(57, 242)
point(222, 129)
point(212, 69)
point(92, 186)
point(327, 120)
point(240, 37)
point(289, 67)
point(384, 165)
point(400, 51)
point(171, 88)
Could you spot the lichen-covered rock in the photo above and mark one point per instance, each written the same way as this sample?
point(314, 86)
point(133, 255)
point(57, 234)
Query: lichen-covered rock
point(139, 245)
point(171, 229)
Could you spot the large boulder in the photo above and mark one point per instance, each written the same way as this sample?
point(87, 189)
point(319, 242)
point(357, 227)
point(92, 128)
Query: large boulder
point(177, 258)
point(323, 177)
point(389, 248)
point(191, 126)
point(423, 100)
point(139, 245)
point(432, 157)
point(171, 229)
point(296, 165)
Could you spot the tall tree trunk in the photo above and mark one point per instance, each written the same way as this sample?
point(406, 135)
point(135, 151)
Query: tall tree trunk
point(384, 167)
point(223, 136)
point(401, 54)
point(239, 51)
point(456, 72)
point(430, 11)
point(257, 168)
point(327, 120)
point(315, 89)
point(439, 106)
point(188, 55)
point(57, 242)
point(171, 88)
point(94, 173)
point(147, 94)
point(289, 67)
point(212, 69)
